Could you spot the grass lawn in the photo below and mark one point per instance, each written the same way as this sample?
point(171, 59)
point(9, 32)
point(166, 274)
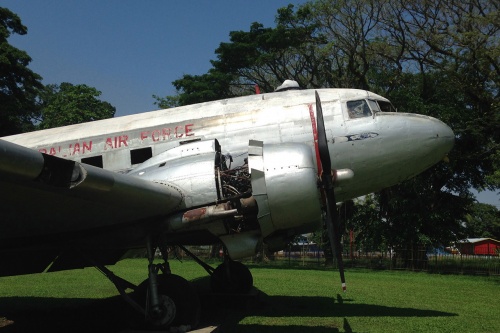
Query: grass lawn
point(288, 300)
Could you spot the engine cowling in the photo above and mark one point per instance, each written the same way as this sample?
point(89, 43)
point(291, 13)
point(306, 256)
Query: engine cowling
point(190, 167)
point(284, 184)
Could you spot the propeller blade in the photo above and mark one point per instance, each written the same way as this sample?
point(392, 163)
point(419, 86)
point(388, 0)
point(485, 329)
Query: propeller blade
point(332, 218)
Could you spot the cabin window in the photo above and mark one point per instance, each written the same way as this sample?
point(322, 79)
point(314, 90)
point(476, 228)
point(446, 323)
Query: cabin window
point(94, 160)
point(358, 109)
point(189, 141)
point(138, 156)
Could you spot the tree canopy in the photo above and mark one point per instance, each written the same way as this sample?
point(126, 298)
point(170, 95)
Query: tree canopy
point(67, 104)
point(483, 221)
point(19, 86)
point(438, 58)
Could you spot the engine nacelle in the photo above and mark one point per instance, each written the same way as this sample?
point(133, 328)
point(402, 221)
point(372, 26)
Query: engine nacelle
point(284, 184)
point(190, 167)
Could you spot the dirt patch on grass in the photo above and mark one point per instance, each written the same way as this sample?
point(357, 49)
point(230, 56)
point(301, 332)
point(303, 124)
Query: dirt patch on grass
point(5, 322)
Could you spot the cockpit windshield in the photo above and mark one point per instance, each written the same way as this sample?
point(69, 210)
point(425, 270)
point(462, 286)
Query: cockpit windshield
point(358, 109)
point(368, 107)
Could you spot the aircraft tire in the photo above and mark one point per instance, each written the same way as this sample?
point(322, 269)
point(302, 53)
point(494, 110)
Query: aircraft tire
point(183, 295)
point(239, 280)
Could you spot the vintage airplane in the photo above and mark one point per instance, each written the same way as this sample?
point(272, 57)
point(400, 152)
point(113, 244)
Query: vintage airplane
point(241, 171)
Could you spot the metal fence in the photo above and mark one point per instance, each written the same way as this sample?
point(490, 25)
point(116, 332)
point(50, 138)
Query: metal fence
point(405, 260)
point(413, 260)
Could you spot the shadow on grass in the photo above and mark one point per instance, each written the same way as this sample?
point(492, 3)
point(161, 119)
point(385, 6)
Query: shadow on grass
point(228, 311)
point(35, 314)
point(39, 314)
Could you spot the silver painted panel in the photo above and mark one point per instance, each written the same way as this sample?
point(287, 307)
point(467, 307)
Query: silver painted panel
point(190, 167)
point(291, 179)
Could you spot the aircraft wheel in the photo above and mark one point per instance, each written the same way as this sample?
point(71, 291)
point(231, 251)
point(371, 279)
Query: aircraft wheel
point(180, 303)
point(235, 279)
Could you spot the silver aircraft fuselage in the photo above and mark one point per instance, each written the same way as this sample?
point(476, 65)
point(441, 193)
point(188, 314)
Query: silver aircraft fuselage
point(380, 148)
point(242, 172)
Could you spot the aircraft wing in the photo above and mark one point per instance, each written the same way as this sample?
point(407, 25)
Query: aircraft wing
point(48, 200)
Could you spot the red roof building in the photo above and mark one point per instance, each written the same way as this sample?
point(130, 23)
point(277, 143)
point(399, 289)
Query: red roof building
point(479, 246)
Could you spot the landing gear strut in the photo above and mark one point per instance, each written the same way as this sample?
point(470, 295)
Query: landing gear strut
point(230, 277)
point(170, 299)
point(178, 302)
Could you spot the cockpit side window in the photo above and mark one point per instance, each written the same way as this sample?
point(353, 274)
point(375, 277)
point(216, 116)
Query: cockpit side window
point(358, 109)
point(374, 105)
point(386, 107)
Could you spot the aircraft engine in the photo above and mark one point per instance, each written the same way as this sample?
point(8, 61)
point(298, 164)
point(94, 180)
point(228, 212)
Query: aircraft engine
point(284, 185)
point(272, 196)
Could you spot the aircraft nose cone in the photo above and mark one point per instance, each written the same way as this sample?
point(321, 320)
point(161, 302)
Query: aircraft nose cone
point(429, 141)
point(445, 138)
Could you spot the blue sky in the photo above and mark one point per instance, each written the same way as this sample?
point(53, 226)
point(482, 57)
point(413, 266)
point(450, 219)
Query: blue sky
point(130, 50)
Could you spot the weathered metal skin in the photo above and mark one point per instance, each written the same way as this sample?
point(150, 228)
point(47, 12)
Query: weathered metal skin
point(199, 218)
point(190, 167)
point(285, 189)
point(284, 183)
point(242, 245)
point(372, 147)
point(370, 150)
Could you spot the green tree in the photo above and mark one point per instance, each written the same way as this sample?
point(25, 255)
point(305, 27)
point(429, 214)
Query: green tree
point(483, 221)
point(494, 178)
point(166, 102)
point(452, 48)
point(67, 104)
point(268, 56)
point(19, 86)
point(369, 229)
point(431, 57)
point(203, 88)
point(453, 52)
point(438, 58)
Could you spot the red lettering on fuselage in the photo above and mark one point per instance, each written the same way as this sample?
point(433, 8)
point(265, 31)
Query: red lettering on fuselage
point(76, 148)
point(177, 132)
point(155, 135)
point(116, 142)
point(166, 133)
point(188, 129)
point(120, 141)
point(87, 147)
